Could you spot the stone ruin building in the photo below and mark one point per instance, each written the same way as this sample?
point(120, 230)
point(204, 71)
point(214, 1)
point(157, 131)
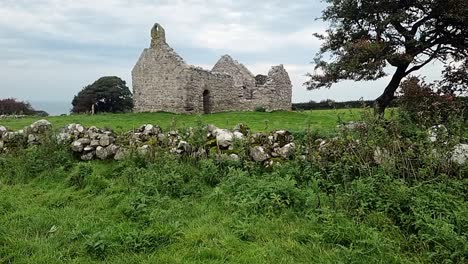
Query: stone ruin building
point(162, 81)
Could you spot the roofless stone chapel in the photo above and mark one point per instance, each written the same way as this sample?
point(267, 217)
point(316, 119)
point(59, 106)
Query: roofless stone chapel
point(162, 81)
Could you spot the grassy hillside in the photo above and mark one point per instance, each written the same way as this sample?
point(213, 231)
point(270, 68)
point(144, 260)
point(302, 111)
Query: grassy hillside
point(258, 121)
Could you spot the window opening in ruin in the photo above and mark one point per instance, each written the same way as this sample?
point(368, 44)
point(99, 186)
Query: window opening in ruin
point(206, 102)
point(248, 93)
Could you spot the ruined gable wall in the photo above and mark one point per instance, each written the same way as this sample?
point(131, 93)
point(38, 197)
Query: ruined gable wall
point(158, 81)
point(276, 92)
point(244, 80)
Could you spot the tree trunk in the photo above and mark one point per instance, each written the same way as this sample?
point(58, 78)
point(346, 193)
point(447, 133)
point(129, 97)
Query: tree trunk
point(384, 100)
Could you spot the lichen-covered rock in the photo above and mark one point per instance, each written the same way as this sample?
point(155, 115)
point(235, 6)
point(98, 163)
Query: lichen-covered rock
point(102, 153)
point(259, 139)
point(242, 128)
point(259, 154)
point(234, 157)
point(87, 156)
point(112, 150)
point(460, 154)
point(94, 143)
point(282, 137)
point(121, 154)
point(238, 135)
point(63, 138)
point(3, 130)
point(106, 140)
point(224, 138)
point(13, 137)
point(79, 144)
point(75, 130)
point(79, 128)
point(211, 129)
point(41, 126)
point(32, 139)
point(150, 130)
point(161, 137)
point(184, 147)
point(287, 150)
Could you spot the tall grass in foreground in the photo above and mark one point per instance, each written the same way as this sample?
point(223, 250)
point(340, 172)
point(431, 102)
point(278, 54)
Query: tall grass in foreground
point(341, 203)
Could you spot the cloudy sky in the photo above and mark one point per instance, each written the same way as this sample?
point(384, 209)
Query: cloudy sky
point(50, 49)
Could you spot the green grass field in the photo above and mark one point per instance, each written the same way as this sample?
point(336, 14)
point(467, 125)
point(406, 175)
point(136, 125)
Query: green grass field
point(166, 209)
point(257, 121)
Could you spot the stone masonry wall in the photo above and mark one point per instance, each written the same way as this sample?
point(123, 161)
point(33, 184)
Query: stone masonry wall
point(159, 81)
point(162, 81)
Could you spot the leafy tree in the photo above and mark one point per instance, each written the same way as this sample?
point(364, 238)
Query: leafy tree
point(108, 94)
point(366, 36)
point(11, 106)
point(455, 80)
point(427, 104)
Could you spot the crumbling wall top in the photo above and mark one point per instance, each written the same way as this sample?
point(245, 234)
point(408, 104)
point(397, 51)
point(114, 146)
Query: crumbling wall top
point(158, 35)
point(279, 75)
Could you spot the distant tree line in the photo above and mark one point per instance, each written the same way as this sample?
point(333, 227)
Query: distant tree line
point(330, 104)
point(11, 106)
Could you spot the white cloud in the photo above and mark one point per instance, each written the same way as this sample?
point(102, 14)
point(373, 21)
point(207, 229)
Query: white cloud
point(210, 24)
point(52, 48)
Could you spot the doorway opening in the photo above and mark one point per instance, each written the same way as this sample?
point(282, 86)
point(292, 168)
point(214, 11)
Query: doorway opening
point(206, 102)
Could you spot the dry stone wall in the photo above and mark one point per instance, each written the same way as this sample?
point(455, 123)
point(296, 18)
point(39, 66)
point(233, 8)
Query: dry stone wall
point(235, 144)
point(162, 81)
point(96, 143)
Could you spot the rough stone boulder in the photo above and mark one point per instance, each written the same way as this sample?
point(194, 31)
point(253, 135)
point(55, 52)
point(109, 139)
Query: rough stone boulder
point(282, 137)
point(75, 130)
point(105, 140)
point(3, 130)
point(79, 144)
point(121, 154)
point(287, 150)
point(64, 138)
point(87, 156)
point(211, 129)
point(184, 147)
point(149, 130)
point(13, 137)
point(436, 132)
point(223, 137)
point(242, 128)
point(104, 153)
point(460, 154)
point(234, 157)
point(259, 139)
point(40, 126)
point(259, 154)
